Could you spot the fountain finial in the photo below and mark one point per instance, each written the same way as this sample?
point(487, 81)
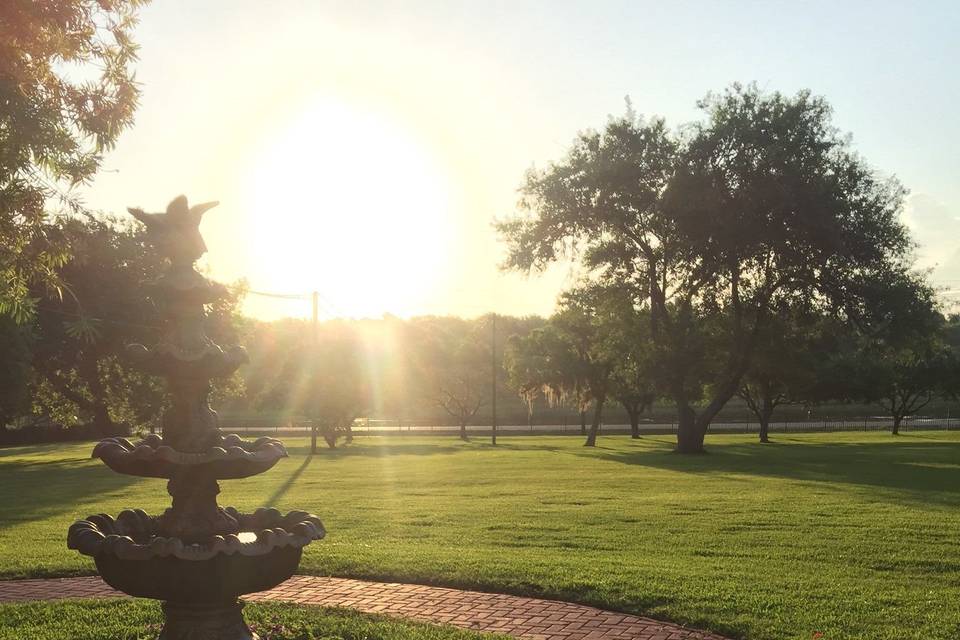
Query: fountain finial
point(176, 233)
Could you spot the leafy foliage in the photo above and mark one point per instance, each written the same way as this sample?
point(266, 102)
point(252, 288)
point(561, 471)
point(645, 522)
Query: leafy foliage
point(793, 362)
point(453, 359)
point(906, 361)
point(761, 203)
point(15, 371)
point(82, 374)
point(626, 337)
point(66, 93)
point(79, 347)
point(325, 382)
point(594, 347)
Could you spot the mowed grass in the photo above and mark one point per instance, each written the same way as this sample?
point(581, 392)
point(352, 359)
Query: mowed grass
point(850, 535)
point(142, 620)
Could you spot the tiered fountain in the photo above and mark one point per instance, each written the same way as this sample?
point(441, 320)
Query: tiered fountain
point(196, 557)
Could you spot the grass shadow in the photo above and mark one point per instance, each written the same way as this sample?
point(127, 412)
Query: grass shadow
point(41, 489)
point(39, 449)
point(291, 479)
point(924, 470)
point(516, 446)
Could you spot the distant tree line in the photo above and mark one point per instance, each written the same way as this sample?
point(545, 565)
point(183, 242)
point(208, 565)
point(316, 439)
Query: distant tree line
point(593, 351)
point(425, 368)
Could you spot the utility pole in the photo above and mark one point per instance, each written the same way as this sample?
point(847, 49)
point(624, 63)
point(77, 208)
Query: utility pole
point(314, 335)
point(316, 316)
point(493, 369)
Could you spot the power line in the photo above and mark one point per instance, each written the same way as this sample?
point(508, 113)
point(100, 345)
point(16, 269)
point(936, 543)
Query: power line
point(324, 304)
point(284, 296)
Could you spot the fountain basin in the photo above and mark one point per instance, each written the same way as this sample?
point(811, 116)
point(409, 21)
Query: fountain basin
point(220, 579)
point(229, 457)
point(133, 558)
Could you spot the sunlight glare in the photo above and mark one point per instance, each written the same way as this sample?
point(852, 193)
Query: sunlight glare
point(344, 201)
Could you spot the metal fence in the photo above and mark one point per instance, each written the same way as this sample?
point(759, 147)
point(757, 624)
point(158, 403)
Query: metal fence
point(394, 427)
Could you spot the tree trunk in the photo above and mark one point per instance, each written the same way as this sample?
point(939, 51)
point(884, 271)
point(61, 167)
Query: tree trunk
point(633, 410)
point(689, 432)
point(463, 431)
point(313, 439)
point(765, 412)
point(583, 422)
point(595, 425)
point(349, 435)
point(90, 372)
point(764, 429)
point(101, 420)
point(331, 439)
point(897, 419)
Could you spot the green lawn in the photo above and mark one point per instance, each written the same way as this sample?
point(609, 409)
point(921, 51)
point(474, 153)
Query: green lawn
point(141, 620)
point(850, 535)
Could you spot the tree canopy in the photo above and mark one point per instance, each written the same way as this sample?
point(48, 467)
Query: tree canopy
point(78, 354)
point(452, 359)
point(713, 227)
point(67, 91)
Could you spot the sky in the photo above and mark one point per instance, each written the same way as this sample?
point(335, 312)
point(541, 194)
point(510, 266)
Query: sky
point(363, 149)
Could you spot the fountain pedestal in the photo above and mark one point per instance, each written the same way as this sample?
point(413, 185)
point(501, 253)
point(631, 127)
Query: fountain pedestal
point(190, 622)
point(197, 557)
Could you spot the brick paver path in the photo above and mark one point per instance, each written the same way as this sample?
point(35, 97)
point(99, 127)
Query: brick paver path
point(513, 615)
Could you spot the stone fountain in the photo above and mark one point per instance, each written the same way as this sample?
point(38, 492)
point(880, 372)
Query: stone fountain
point(197, 557)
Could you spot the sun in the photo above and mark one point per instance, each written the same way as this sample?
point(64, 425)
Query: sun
point(345, 201)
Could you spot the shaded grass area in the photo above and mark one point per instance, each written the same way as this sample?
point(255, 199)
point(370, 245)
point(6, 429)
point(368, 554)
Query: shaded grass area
point(852, 535)
point(142, 620)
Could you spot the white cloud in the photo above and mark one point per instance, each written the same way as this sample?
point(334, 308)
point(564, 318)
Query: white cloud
point(936, 228)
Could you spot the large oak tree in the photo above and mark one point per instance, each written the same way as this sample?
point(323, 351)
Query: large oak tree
point(713, 227)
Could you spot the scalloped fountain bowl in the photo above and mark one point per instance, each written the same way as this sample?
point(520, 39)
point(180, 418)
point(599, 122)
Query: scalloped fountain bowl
point(231, 457)
point(133, 558)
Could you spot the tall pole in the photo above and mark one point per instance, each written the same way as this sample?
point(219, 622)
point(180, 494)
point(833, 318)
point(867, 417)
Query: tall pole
point(314, 339)
point(316, 316)
point(493, 369)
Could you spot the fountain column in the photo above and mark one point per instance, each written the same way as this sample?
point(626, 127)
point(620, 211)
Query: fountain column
point(197, 557)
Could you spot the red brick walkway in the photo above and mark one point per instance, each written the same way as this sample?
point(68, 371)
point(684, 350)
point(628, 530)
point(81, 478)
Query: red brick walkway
point(511, 615)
